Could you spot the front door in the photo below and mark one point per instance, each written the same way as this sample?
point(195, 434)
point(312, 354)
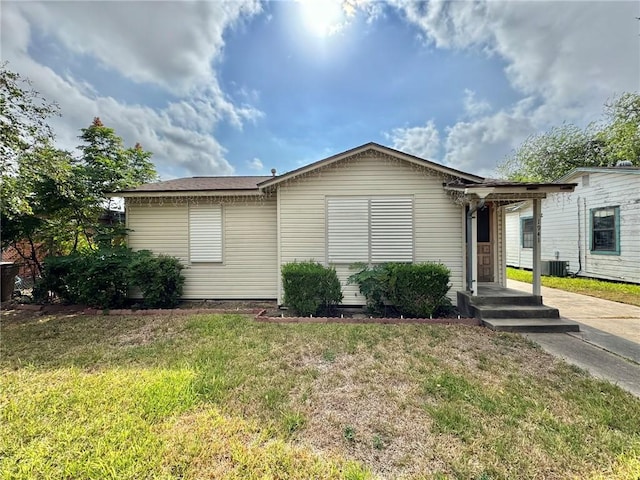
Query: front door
point(485, 248)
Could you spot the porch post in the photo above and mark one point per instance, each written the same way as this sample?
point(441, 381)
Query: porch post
point(536, 245)
point(474, 247)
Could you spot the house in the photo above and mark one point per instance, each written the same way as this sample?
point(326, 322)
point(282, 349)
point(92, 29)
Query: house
point(370, 204)
point(596, 229)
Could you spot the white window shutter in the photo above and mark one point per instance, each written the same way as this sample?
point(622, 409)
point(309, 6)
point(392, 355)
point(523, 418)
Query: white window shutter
point(348, 230)
point(205, 233)
point(391, 229)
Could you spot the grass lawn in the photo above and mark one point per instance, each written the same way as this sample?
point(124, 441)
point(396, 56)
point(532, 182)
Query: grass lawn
point(220, 396)
point(617, 292)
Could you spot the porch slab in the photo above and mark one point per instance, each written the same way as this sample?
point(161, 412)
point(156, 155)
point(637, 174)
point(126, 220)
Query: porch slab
point(538, 325)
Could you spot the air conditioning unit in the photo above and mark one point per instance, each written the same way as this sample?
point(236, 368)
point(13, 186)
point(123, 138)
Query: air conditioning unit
point(554, 268)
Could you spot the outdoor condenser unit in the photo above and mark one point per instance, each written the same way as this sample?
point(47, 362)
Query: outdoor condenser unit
point(554, 268)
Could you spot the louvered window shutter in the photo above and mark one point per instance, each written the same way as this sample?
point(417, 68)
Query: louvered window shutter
point(205, 233)
point(348, 230)
point(391, 229)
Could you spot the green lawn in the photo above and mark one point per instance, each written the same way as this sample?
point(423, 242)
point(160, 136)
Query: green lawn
point(617, 292)
point(220, 396)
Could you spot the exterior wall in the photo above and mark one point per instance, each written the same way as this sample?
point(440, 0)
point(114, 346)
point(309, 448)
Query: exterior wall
point(438, 229)
point(609, 190)
point(249, 269)
point(566, 228)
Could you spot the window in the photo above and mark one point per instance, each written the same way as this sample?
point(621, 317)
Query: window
point(205, 233)
point(605, 230)
point(527, 232)
point(377, 229)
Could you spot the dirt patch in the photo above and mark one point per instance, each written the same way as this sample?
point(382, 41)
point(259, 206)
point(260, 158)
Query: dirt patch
point(370, 405)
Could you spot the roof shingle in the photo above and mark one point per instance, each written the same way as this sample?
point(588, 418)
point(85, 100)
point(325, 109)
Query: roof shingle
point(195, 184)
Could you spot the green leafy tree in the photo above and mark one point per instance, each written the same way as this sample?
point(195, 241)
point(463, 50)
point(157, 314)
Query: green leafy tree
point(52, 202)
point(548, 156)
point(24, 114)
point(107, 166)
point(621, 136)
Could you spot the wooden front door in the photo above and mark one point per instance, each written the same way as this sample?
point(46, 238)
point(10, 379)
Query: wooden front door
point(485, 245)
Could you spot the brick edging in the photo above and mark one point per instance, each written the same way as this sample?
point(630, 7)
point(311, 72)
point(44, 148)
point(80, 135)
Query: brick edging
point(260, 317)
point(127, 311)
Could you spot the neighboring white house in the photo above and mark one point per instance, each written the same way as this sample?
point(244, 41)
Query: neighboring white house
point(370, 204)
point(596, 229)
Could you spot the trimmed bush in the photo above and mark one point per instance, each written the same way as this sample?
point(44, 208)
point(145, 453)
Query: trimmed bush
point(414, 290)
point(310, 288)
point(159, 278)
point(102, 278)
point(419, 290)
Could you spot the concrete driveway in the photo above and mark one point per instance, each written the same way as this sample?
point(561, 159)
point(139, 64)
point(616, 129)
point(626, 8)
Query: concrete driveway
point(608, 344)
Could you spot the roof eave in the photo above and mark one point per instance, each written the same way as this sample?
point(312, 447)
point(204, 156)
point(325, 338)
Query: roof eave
point(522, 191)
point(188, 193)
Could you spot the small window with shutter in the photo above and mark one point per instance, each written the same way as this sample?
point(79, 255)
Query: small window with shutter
point(205, 233)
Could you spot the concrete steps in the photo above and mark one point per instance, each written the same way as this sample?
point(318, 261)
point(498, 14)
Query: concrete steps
point(539, 325)
point(503, 309)
point(515, 311)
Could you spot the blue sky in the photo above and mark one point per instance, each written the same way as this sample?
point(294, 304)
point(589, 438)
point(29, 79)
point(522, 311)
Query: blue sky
point(221, 88)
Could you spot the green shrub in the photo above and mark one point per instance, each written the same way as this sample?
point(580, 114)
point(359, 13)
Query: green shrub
point(414, 290)
point(96, 278)
point(102, 278)
point(419, 290)
point(310, 288)
point(159, 278)
point(373, 284)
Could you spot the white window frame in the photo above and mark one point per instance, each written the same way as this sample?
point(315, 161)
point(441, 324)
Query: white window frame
point(374, 220)
point(206, 239)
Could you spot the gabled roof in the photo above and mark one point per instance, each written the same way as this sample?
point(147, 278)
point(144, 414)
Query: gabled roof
point(196, 184)
point(271, 181)
point(582, 170)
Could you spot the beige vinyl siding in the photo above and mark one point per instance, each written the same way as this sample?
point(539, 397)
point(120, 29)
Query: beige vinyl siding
point(249, 267)
point(438, 234)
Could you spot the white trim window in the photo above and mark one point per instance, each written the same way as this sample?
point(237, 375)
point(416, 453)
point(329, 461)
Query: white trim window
point(370, 229)
point(205, 233)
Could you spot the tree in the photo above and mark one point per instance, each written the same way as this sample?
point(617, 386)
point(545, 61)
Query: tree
point(52, 202)
point(107, 166)
point(23, 129)
point(550, 155)
point(622, 135)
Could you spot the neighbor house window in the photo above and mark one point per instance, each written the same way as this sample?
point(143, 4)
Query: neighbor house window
point(527, 232)
point(205, 233)
point(605, 230)
point(375, 230)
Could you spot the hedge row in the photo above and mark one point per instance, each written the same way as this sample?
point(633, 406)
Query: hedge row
point(103, 278)
point(412, 290)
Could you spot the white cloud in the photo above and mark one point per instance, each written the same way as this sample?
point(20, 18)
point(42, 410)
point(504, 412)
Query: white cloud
point(171, 44)
point(478, 145)
point(563, 52)
point(421, 141)
point(566, 59)
point(472, 106)
point(172, 47)
point(255, 164)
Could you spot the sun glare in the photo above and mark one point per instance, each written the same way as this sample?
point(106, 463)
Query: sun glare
point(322, 18)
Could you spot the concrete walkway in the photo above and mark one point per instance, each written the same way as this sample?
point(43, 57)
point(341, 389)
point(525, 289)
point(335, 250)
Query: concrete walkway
point(608, 344)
